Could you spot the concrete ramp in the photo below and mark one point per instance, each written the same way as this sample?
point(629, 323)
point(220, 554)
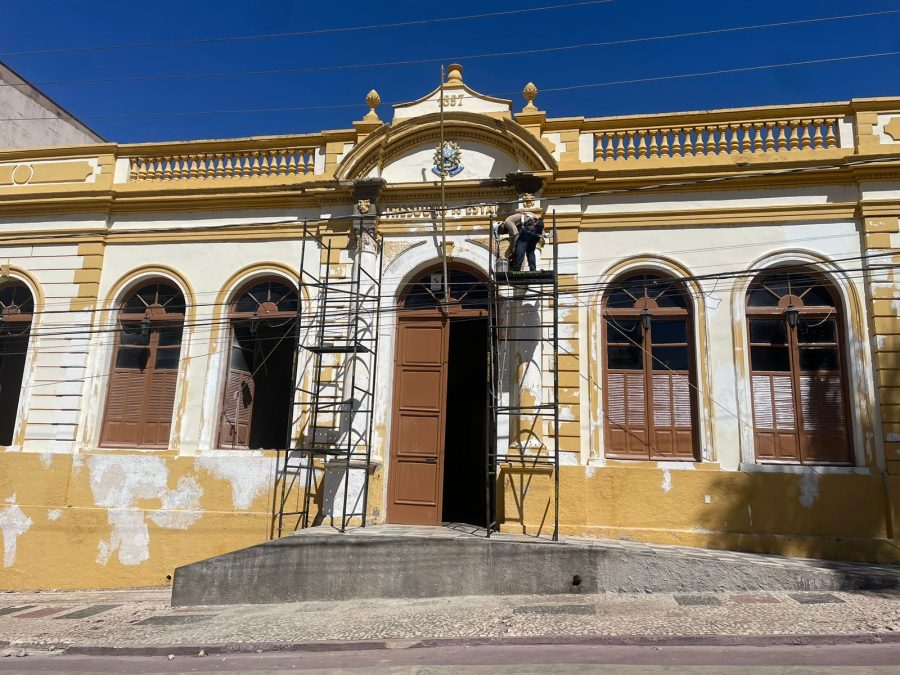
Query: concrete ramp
point(416, 562)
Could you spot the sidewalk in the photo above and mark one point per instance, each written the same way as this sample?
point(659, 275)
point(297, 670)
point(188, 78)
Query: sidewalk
point(143, 622)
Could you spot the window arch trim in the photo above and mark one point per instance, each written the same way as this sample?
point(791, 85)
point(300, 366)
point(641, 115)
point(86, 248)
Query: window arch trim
point(651, 407)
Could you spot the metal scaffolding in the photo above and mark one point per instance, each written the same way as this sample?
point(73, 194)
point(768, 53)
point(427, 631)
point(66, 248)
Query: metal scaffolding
point(335, 358)
point(530, 443)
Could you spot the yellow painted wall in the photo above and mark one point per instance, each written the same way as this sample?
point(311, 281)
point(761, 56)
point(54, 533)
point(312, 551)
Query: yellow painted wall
point(89, 514)
point(838, 516)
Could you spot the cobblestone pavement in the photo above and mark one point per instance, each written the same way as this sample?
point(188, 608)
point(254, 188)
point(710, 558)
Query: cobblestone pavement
point(144, 618)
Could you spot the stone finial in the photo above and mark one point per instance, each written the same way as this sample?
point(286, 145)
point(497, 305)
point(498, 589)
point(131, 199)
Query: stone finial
point(454, 74)
point(374, 100)
point(529, 93)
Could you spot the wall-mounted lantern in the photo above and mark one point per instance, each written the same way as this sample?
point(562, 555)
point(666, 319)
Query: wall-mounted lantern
point(791, 315)
point(646, 318)
point(145, 328)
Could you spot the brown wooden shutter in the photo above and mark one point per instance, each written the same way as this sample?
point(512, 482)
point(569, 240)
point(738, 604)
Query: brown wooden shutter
point(237, 409)
point(672, 423)
point(158, 406)
point(124, 408)
point(627, 406)
point(774, 418)
point(824, 425)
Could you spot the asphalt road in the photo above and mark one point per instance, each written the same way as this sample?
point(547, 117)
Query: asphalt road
point(543, 659)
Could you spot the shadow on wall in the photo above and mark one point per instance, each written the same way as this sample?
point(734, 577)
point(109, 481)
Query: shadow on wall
point(811, 514)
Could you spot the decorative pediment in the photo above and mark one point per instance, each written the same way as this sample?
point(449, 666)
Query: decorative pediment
point(457, 96)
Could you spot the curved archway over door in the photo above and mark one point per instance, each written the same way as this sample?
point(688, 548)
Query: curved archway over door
point(439, 425)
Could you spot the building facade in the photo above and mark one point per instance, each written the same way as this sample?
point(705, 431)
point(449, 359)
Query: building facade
point(31, 119)
point(728, 357)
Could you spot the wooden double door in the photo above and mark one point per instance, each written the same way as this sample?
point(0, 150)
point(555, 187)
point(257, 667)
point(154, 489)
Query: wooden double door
point(438, 436)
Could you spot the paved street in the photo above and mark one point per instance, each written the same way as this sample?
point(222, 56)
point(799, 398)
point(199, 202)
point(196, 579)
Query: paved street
point(144, 622)
point(566, 658)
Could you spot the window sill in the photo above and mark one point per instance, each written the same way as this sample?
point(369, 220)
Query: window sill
point(799, 469)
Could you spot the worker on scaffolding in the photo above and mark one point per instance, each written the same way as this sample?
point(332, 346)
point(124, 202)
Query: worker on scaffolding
point(527, 222)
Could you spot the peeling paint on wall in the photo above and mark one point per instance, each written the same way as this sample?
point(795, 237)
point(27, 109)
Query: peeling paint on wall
point(117, 482)
point(46, 459)
point(14, 523)
point(181, 506)
point(249, 476)
point(809, 488)
point(666, 481)
point(54, 514)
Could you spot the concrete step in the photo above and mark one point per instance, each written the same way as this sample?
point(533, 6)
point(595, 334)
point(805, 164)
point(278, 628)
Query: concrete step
point(385, 562)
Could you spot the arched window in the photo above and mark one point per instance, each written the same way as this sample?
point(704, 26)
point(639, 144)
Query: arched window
point(467, 291)
point(796, 369)
point(256, 402)
point(145, 367)
point(16, 309)
point(649, 399)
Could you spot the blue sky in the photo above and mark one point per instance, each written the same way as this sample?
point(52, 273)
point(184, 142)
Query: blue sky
point(53, 24)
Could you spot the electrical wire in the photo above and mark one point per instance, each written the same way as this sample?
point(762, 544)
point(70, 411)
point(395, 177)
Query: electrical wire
point(307, 33)
point(461, 58)
point(545, 90)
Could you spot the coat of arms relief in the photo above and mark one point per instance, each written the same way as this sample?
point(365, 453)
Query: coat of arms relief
point(451, 155)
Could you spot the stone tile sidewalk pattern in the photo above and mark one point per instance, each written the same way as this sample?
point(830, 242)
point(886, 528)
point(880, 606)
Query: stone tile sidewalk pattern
point(144, 618)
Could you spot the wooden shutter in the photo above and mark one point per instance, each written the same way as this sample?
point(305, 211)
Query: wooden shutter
point(237, 409)
point(774, 418)
point(159, 401)
point(824, 427)
point(626, 403)
point(672, 418)
point(124, 408)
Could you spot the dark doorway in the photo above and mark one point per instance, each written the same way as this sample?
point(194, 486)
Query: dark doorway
point(13, 349)
point(465, 449)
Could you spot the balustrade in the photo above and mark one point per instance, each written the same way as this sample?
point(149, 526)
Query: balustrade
point(224, 165)
point(713, 140)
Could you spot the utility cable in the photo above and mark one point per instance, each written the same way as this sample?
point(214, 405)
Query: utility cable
point(547, 90)
point(460, 58)
point(307, 33)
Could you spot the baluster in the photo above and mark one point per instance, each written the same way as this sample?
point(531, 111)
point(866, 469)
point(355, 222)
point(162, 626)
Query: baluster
point(654, 144)
point(688, 147)
point(193, 166)
point(309, 160)
point(134, 169)
point(817, 141)
point(794, 130)
point(665, 149)
point(709, 147)
point(207, 168)
point(630, 150)
point(769, 144)
point(220, 161)
point(675, 144)
point(179, 168)
point(745, 137)
point(782, 136)
point(278, 162)
point(642, 145)
point(241, 164)
point(830, 139)
point(292, 163)
point(165, 168)
point(806, 141)
point(609, 149)
point(255, 163)
point(620, 145)
point(722, 145)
